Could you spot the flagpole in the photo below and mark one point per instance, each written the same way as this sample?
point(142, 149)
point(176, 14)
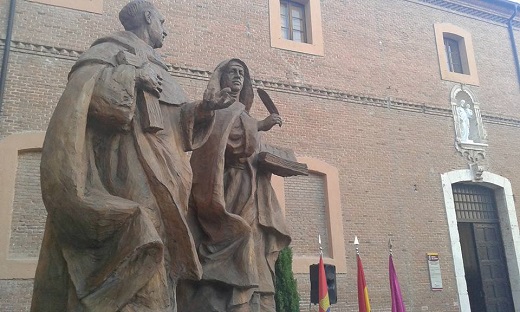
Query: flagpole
point(323, 294)
point(321, 255)
point(363, 301)
point(395, 288)
point(321, 248)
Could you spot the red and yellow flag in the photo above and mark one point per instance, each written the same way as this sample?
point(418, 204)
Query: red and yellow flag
point(323, 291)
point(364, 303)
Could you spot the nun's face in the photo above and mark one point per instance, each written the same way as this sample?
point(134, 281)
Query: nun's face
point(233, 77)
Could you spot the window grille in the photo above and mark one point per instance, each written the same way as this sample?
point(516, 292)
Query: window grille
point(474, 203)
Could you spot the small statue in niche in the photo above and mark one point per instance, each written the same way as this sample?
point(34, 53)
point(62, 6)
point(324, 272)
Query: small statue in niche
point(464, 114)
point(471, 138)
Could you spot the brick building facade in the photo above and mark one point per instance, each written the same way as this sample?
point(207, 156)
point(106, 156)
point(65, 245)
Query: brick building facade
point(369, 102)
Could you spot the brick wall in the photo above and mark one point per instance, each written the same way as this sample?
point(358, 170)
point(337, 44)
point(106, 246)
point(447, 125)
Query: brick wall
point(33, 88)
point(389, 157)
point(28, 218)
point(306, 215)
point(15, 295)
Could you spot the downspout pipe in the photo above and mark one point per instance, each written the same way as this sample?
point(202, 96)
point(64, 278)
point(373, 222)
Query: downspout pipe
point(513, 42)
point(7, 48)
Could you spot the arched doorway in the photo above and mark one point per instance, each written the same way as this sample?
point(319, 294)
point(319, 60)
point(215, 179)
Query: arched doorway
point(508, 225)
point(482, 248)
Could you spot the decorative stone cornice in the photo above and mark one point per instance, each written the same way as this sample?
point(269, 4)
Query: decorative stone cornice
point(308, 90)
point(468, 9)
point(38, 49)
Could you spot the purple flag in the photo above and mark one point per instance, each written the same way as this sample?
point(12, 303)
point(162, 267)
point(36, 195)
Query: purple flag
point(395, 290)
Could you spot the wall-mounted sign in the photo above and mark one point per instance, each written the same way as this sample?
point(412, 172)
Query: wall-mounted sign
point(434, 266)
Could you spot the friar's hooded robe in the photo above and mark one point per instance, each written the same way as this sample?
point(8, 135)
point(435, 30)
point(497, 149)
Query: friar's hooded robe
point(116, 196)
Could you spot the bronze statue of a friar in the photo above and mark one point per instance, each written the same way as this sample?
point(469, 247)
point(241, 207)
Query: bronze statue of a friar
point(115, 177)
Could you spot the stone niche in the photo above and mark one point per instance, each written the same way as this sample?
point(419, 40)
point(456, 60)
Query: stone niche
point(470, 135)
point(469, 130)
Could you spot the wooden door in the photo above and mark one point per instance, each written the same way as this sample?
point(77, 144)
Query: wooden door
point(493, 267)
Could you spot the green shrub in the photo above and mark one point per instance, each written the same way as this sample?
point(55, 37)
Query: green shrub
point(286, 296)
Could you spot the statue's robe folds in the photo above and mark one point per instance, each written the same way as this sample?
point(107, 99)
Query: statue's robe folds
point(116, 237)
point(237, 210)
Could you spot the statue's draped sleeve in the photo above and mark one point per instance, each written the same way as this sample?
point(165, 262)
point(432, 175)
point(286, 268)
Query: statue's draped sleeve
point(101, 237)
point(113, 99)
point(196, 130)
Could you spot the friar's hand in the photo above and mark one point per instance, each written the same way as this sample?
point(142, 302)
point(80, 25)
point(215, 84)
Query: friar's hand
point(149, 80)
point(269, 122)
point(217, 100)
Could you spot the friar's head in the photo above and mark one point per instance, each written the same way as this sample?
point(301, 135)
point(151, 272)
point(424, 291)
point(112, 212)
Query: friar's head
point(143, 19)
